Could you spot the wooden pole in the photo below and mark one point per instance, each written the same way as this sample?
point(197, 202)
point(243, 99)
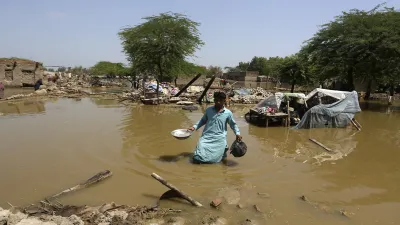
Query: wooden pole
point(358, 124)
point(95, 179)
point(355, 125)
point(321, 145)
point(206, 89)
point(170, 186)
point(187, 85)
point(288, 113)
point(158, 93)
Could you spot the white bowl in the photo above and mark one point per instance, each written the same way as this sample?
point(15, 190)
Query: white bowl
point(181, 134)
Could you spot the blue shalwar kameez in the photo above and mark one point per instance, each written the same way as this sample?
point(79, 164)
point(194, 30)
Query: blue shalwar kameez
point(212, 143)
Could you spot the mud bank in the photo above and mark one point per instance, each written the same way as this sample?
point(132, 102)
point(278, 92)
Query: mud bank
point(79, 215)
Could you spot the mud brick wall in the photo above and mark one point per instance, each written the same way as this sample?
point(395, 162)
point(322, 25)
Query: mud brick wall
point(15, 72)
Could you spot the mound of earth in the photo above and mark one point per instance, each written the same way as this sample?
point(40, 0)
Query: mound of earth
point(52, 214)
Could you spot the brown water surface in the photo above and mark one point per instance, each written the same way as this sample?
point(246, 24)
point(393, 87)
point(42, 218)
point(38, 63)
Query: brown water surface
point(48, 146)
point(14, 91)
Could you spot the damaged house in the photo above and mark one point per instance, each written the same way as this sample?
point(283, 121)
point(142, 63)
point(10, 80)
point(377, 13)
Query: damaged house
point(16, 72)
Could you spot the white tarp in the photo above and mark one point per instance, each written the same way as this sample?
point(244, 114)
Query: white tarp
point(277, 99)
point(332, 93)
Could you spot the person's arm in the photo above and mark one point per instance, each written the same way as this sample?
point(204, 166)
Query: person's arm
point(200, 123)
point(234, 126)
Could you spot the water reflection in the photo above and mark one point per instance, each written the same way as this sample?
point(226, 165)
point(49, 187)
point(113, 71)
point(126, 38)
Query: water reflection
point(14, 91)
point(296, 144)
point(380, 106)
point(175, 158)
point(146, 136)
point(22, 107)
point(105, 103)
point(367, 176)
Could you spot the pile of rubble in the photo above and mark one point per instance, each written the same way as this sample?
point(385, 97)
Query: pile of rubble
point(78, 86)
point(63, 79)
point(80, 215)
point(63, 86)
point(51, 89)
point(167, 93)
point(250, 96)
point(148, 94)
point(17, 218)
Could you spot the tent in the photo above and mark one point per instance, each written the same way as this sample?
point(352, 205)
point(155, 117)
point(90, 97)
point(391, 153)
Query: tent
point(326, 92)
point(272, 108)
point(325, 96)
point(336, 114)
point(274, 101)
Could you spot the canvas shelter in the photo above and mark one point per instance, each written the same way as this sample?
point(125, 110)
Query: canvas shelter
point(324, 96)
point(341, 108)
point(274, 101)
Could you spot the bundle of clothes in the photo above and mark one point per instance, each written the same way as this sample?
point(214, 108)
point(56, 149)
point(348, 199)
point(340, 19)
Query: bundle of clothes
point(267, 110)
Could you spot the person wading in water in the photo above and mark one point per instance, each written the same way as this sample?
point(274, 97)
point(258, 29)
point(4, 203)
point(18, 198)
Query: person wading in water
point(212, 145)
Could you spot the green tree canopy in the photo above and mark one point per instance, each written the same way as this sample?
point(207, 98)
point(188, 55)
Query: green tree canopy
point(293, 70)
point(214, 70)
point(358, 44)
point(259, 64)
point(161, 44)
point(186, 69)
point(61, 69)
point(109, 68)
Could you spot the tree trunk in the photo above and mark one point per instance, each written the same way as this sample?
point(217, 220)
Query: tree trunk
point(293, 83)
point(158, 86)
point(159, 80)
point(350, 80)
point(176, 85)
point(144, 85)
point(369, 89)
point(391, 94)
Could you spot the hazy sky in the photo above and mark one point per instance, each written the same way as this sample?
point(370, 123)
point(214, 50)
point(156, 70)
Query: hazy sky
point(82, 32)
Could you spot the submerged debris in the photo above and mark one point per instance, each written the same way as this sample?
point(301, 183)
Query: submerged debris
point(325, 208)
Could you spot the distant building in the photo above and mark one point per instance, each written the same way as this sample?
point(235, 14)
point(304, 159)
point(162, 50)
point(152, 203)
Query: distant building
point(242, 76)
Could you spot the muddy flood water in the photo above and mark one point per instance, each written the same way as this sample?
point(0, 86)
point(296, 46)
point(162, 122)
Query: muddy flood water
point(50, 145)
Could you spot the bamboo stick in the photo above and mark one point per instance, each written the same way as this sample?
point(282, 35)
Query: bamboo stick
point(172, 187)
point(358, 124)
point(355, 125)
point(94, 179)
point(321, 145)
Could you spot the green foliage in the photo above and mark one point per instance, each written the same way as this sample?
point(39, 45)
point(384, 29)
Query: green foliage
point(264, 66)
point(161, 44)
point(79, 70)
point(259, 64)
point(62, 69)
point(362, 45)
point(214, 70)
point(186, 69)
point(357, 44)
point(293, 70)
point(241, 67)
point(109, 69)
